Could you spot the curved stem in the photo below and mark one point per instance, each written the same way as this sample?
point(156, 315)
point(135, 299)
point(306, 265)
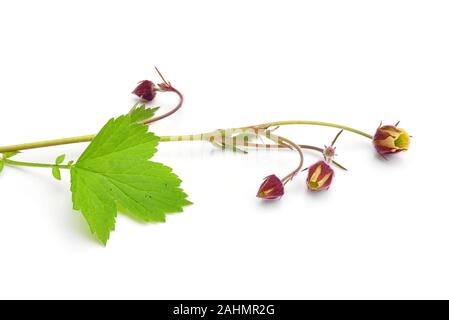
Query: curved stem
point(302, 146)
point(167, 88)
point(287, 143)
point(33, 164)
point(228, 138)
point(313, 123)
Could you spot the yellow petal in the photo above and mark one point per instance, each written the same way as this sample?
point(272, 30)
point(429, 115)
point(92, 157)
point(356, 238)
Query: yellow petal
point(316, 174)
point(324, 180)
point(403, 141)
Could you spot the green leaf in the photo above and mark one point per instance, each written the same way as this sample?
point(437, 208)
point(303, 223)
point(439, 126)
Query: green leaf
point(2, 165)
point(114, 173)
point(56, 173)
point(60, 159)
point(141, 113)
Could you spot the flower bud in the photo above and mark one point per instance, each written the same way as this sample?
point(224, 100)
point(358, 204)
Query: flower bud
point(320, 176)
point(145, 90)
point(272, 188)
point(390, 139)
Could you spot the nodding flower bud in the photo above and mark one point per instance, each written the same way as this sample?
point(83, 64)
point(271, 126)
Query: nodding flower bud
point(271, 188)
point(145, 90)
point(320, 176)
point(390, 140)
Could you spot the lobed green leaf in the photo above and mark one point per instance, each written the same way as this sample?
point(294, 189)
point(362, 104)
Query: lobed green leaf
point(114, 173)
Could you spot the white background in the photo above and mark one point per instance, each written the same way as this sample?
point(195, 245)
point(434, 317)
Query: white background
point(380, 232)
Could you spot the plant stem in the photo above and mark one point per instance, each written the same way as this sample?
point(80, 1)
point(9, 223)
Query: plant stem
point(33, 164)
point(289, 144)
point(313, 123)
point(302, 146)
point(167, 88)
point(46, 143)
point(195, 137)
point(191, 137)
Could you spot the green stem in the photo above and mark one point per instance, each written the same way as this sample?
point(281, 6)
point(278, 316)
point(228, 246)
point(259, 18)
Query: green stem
point(313, 123)
point(36, 165)
point(192, 137)
point(46, 143)
point(195, 137)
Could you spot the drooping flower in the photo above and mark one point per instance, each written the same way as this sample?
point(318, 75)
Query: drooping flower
point(391, 139)
point(145, 90)
point(271, 188)
point(320, 176)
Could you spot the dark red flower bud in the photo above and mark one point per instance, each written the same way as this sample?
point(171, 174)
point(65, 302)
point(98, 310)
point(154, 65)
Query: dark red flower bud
point(272, 188)
point(320, 176)
point(390, 139)
point(145, 90)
